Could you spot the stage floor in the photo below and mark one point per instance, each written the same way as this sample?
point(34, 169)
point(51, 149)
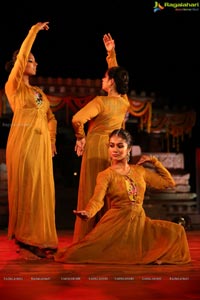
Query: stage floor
point(23, 277)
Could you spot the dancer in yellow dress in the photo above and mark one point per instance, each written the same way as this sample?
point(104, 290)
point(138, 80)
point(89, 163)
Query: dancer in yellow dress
point(29, 151)
point(103, 114)
point(125, 235)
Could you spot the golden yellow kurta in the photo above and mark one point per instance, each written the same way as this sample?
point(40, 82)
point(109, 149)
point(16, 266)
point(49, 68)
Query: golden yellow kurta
point(125, 235)
point(104, 114)
point(31, 192)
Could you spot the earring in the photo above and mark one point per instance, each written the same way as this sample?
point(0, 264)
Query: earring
point(128, 156)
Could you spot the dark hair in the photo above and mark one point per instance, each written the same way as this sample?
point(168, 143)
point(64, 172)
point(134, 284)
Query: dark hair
point(124, 134)
point(121, 78)
point(9, 64)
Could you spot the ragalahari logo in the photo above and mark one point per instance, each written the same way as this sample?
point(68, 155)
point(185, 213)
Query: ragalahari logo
point(157, 7)
point(177, 6)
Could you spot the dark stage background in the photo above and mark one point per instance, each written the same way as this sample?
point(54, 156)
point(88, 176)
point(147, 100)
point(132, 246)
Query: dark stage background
point(159, 49)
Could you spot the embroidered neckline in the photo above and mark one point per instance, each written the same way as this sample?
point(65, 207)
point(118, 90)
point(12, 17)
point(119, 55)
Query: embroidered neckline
point(38, 96)
point(131, 187)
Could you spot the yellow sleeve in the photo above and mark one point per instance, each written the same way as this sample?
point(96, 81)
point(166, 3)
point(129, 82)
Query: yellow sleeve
point(85, 114)
point(52, 124)
point(112, 62)
point(97, 200)
point(111, 59)
point(17, 71)
point(160, 178)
